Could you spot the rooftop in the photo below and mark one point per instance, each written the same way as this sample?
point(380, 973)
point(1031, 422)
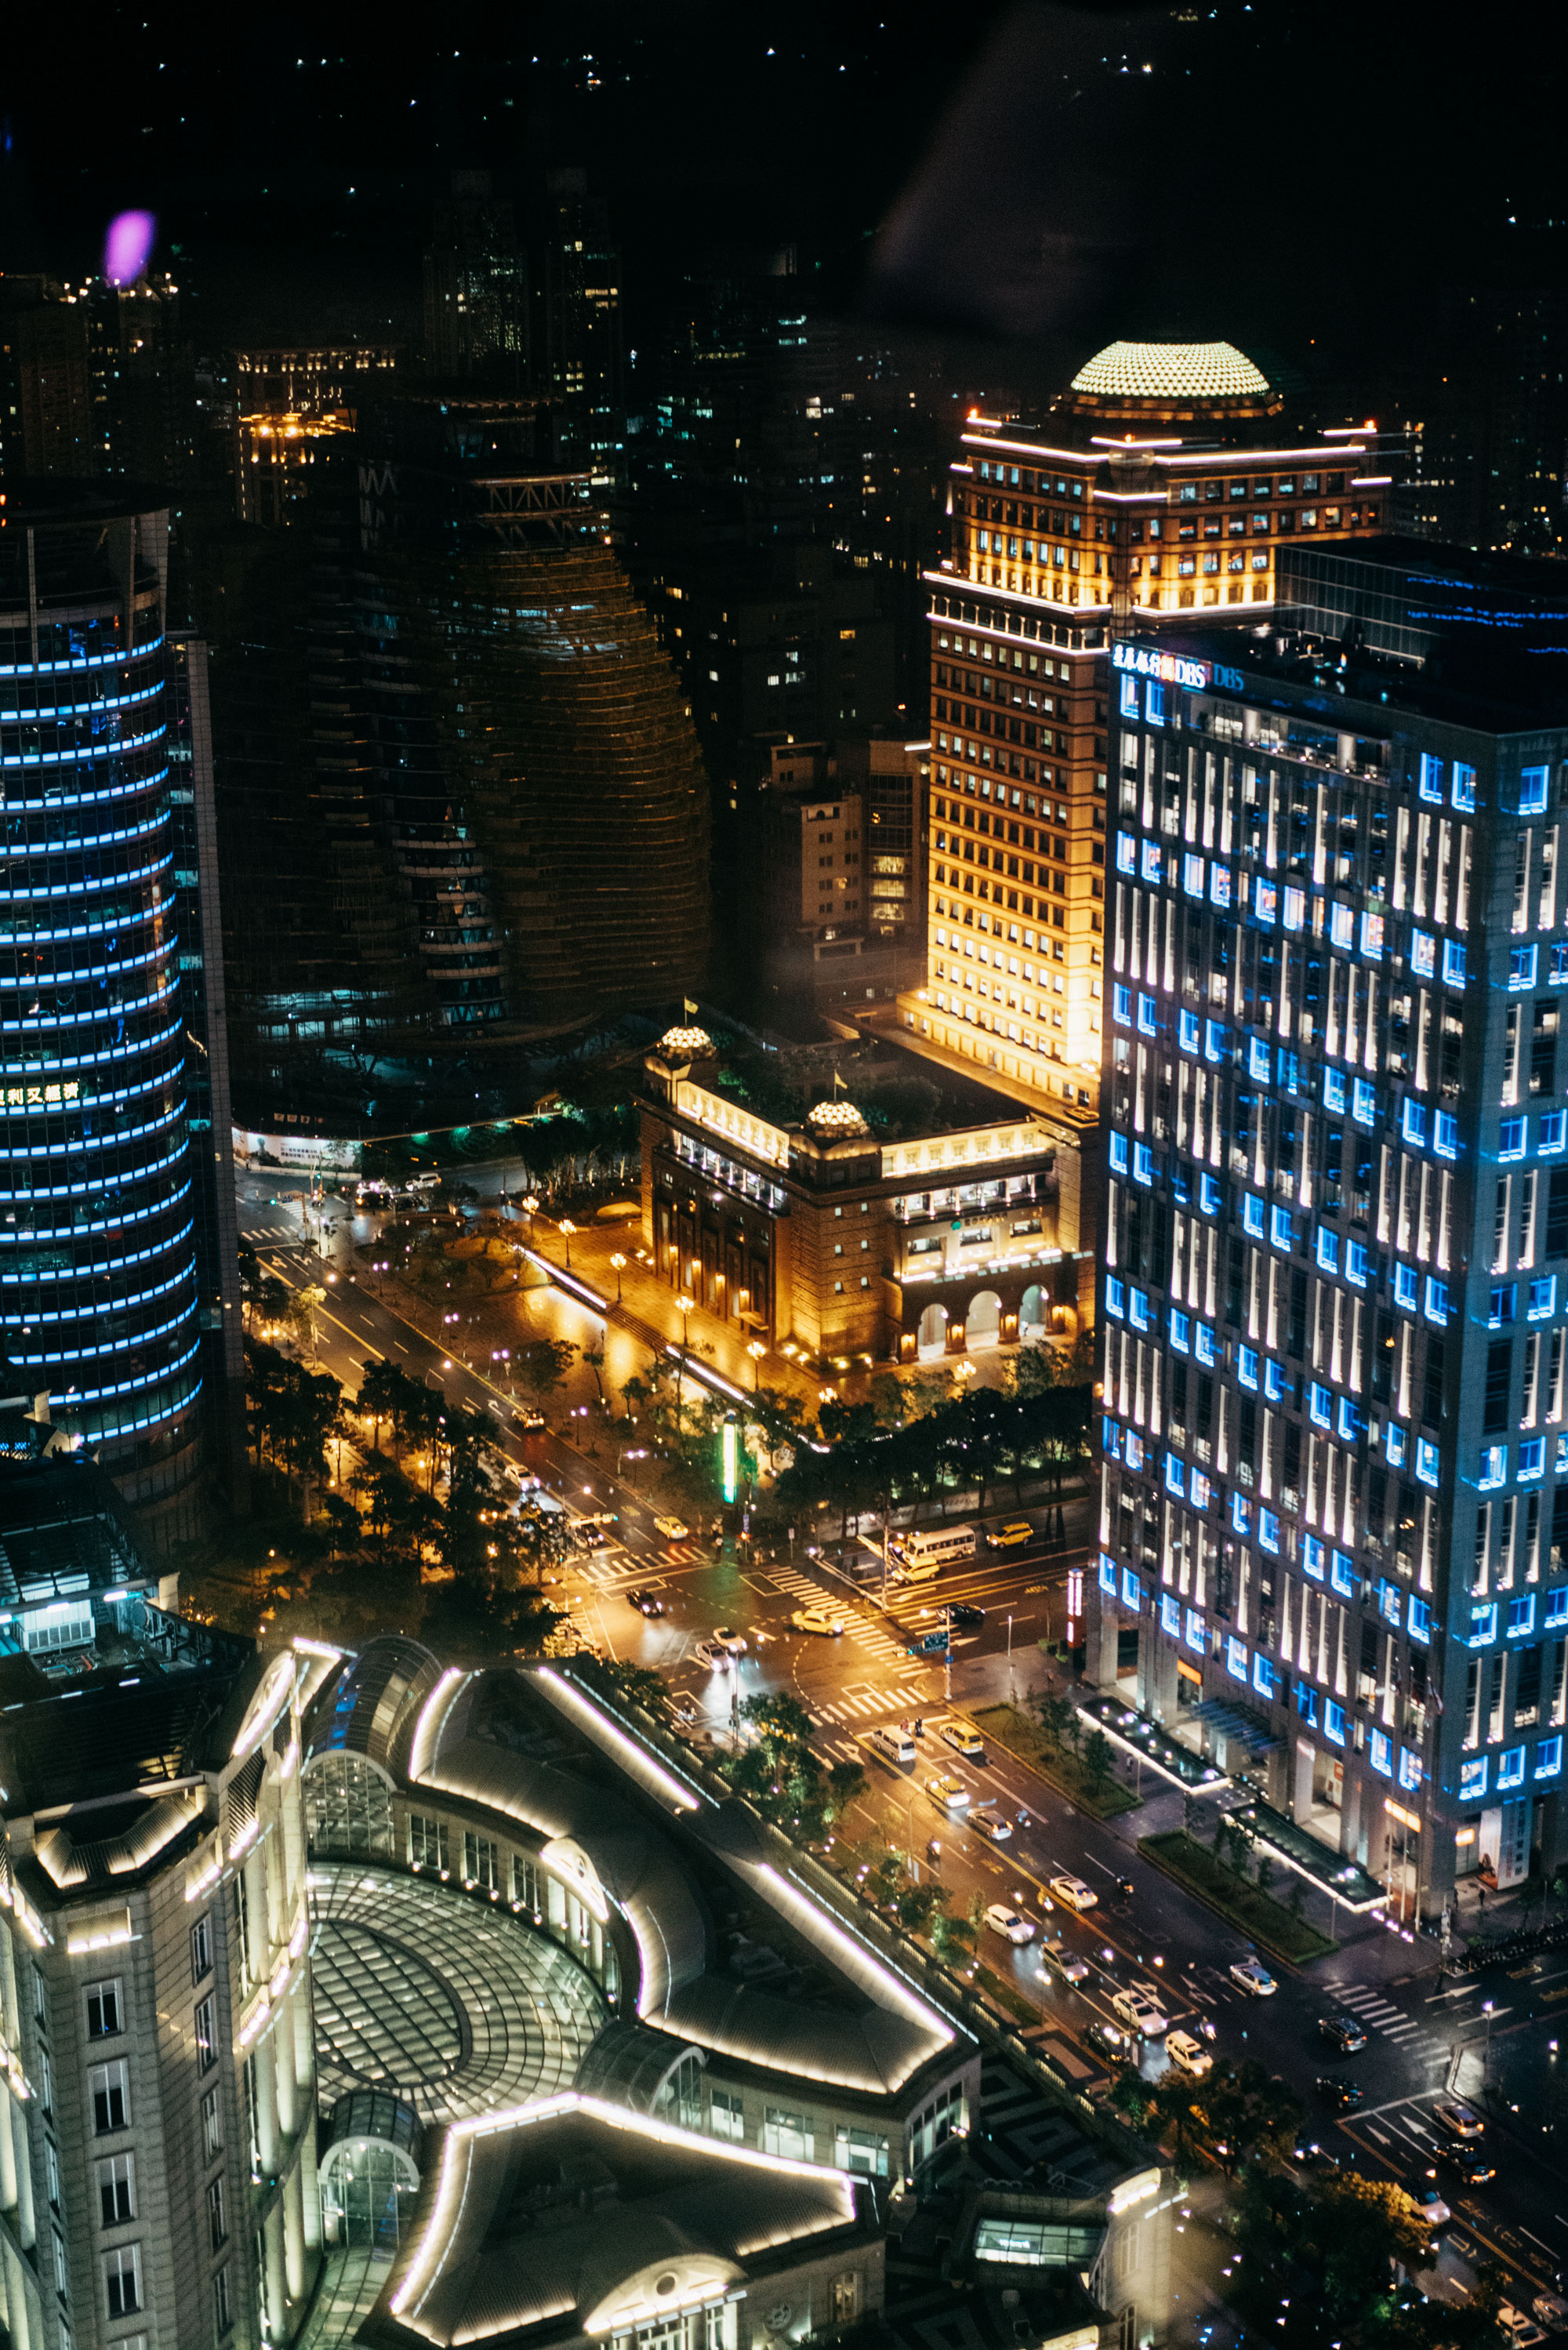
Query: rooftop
point(1171, 371)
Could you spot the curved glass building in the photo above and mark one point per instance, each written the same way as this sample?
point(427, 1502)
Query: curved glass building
point(98, 1294)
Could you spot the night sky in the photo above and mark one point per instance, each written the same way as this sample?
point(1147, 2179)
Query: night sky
point(1037, 177)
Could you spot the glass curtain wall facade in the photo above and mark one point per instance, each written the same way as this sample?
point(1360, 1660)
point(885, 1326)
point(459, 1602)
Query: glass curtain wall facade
point(98, 1260)
point(1333, 1536)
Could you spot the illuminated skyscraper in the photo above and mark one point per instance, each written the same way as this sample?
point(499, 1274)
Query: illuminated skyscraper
point(476, 287)
point(98, 1281)
point(1163, 480)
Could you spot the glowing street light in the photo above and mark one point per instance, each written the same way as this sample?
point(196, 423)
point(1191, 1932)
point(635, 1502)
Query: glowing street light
point(755, 1348)
point(620, 1264)
point(566, 1230)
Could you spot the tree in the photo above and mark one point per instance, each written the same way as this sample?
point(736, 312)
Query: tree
point(302, 1312)
point(466, 1620)
point(594, 1357)
point(1099, 1762)
point(543, 1365)
point(1056, 1715)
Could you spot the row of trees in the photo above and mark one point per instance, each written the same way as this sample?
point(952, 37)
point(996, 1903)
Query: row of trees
point(447, 1548)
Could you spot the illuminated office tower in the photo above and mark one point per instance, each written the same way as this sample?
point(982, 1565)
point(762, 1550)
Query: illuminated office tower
point(99, 1294)
point(1334, 1536)
point(1164, 480)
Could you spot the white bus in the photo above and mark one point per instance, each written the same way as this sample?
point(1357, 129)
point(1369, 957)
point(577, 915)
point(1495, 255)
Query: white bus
point(892, 1741)
point(916, 1557)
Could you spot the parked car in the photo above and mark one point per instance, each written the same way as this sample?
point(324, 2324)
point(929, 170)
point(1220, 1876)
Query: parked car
point(991, 1825)
point(818, 1620)
point(1343, 2033)
point(1138, 2007)
point(1073, 1892)
point(714, 1655)
point(1011, 1924)
point(1339, 2093)
point(734, 1641)
point(1457, 2121)
point(647, 1603)
point(1188, 2055)
point(673, 1529)
point(1251, 1975)
point(947, 1795)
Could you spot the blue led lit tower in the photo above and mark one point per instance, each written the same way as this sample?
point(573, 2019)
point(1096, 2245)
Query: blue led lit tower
point(98, 1281)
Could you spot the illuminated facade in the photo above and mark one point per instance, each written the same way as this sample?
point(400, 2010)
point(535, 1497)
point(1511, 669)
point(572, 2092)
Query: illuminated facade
point(1333, 1538)
point(1163, 480)
point(835, 1246)
point(98, 1294)
point(158, 2070)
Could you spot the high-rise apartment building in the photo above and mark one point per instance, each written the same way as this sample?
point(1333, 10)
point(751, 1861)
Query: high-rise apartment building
point(100, 1299)
point(1165, 480)
point(158, 2160)
point(585, 340)
point(476, 287)
point(1334, 1539)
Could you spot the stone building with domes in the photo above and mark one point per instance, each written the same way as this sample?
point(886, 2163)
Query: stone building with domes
point(858, 1221)
point(1164, 479)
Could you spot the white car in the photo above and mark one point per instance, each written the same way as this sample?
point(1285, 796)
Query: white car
point(1058, 1960)
point(818, 1619)
point(1008, 1923)
point(1251, 1975)
point(1188, 2055)
point(712, 1654)
point(991, 1825)
point(735, 1642)
point(1521, 2332)
point(1433, 2208)
point(1073, 1892)
point(1135, 2008)
point(676, 1529)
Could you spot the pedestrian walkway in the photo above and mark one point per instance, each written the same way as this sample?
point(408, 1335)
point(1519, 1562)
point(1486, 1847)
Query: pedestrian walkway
point(863, 1631)
point(1375, 2014)
point(873, 1707)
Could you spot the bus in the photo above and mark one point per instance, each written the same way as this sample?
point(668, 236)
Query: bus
point(916, 1557)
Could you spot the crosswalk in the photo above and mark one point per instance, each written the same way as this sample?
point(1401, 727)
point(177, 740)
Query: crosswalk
point(861, 1629)
point(874, 1706)
point(1376, 2013)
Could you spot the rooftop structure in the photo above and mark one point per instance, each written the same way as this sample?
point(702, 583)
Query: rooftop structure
point(1170, 371)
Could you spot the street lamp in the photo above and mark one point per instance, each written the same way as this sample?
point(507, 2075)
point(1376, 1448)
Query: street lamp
point(620, 1264)
point(531, 1204)
point(566, 1230)
point(687, 1307)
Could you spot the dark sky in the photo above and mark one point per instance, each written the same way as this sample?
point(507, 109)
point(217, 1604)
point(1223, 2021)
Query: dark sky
point(1040, 174)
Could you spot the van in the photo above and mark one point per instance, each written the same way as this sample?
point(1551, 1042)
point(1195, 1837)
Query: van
point(892, 1741)
point(964, 1739)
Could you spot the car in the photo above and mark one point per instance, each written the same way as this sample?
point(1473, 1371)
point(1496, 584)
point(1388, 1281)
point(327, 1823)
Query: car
point(1519, 2331)
point(818, 1620)
point(1143, 2014)
point(1434, 2212)
point(991, 1825)
point(714, 1655)
point(1313, 2156)
point(1011, 1924)
point(673, 1529)
point(1011, 1537)
point(963, 1613)
point(1187, 2054)
point(683, 1708)
point(528, 1421)
point(947, 1795)
point(919, 1570)
point(1470, 2170)
point(647, 1603)
point(964, 1739)
point(1058, 1960)
point(1251, 1975)
point(1073, 1892)
point(1109, 2040)
point(734, 1641)
point(1338, 2091)
point(1552, 2309)
point(1457, 2121)
point(1343, 2033)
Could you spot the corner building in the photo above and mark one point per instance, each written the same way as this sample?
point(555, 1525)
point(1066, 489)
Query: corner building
point(1165, 479)
point(1334, 1536)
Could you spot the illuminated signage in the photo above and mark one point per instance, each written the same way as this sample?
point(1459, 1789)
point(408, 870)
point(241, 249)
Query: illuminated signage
point(1405, 1819)
point(732, 1442)
point(1175, 669)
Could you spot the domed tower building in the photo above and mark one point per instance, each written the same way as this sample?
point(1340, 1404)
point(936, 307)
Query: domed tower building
point(1163, 480)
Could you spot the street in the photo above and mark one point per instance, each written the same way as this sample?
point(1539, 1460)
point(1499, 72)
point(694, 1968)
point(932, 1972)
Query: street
point(1427, 2040)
